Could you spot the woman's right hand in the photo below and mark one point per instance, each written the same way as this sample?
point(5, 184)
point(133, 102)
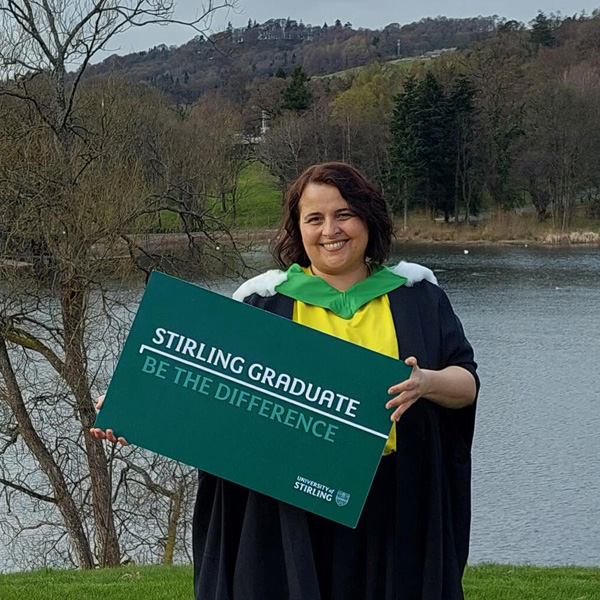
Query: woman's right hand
point(109, 435)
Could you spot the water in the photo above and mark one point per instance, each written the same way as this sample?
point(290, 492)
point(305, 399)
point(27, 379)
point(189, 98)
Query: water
point(532, 317)
point(531, 314)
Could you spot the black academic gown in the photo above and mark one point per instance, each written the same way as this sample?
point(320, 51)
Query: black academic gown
point(413, 536)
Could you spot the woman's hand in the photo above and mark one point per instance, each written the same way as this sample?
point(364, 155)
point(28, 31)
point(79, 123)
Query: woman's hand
point(108, 434)
point(451, 387)
point(409, 391)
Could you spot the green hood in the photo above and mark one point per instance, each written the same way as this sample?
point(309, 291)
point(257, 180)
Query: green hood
point(316, 291)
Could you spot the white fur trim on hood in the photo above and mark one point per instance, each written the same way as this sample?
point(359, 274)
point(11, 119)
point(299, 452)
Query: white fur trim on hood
point(265, 284)
point(414, 273)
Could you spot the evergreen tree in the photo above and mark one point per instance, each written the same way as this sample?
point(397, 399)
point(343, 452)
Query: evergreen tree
point(403, 176)
point(422, 154)
point(297, 96)
point(542, 30)
point(280, 73)
point(462, 107)
point(433, 122)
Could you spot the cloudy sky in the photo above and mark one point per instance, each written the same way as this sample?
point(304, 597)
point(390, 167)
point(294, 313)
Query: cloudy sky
point(373, 14)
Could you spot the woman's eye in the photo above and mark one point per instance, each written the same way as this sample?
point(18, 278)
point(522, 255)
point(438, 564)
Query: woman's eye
point(345, 215)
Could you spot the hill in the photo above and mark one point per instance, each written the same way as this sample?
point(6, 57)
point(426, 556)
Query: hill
point(232, 59)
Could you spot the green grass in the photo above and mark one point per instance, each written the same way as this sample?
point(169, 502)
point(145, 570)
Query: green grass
point(258, 205)
point(505, 582)
point(486, 582)
point(260, 199)
point(126, 583)
point(396, 65)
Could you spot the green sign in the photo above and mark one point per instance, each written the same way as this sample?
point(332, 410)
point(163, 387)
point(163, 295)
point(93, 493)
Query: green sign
point(253, 397)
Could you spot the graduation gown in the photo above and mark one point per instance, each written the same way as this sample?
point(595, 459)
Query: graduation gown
point(412, 540)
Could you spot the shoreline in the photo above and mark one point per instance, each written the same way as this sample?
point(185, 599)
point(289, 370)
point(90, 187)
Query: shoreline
point(584, 238)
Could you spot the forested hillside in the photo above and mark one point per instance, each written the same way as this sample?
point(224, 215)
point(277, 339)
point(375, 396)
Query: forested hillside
point(230, 60)
point(449, 115)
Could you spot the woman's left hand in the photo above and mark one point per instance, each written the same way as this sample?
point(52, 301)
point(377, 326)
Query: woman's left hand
point(409, 391)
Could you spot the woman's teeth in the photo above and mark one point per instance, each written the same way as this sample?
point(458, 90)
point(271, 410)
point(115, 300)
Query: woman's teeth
point(334, 245)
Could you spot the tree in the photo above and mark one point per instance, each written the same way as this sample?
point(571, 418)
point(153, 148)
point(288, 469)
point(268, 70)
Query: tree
point(431, 155)
point(542, 30)
point(297, 96)
point(461, 103)
point(433, 123)
point(556, 160)
point(363, 113)
point(64, 144)
point(496, 70)
point(404, 158)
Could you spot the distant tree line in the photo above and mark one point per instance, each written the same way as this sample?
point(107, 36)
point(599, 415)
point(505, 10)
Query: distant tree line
point(513, 120)
point(233, 59)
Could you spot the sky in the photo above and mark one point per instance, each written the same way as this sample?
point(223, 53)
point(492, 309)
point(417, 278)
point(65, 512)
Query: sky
point(372, 14)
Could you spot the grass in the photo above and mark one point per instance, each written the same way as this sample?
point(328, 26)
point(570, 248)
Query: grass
point(260, 199)
point(125, 583)
point(485, 582)
point(258, 205)
point(497, 227)
point(497, 582)
point(396, 65)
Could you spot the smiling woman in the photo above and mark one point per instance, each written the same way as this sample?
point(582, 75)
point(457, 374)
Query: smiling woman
point(333, 235)
point(411, 541)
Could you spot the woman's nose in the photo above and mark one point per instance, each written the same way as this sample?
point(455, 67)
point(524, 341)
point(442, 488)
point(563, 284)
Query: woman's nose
point(330, 227)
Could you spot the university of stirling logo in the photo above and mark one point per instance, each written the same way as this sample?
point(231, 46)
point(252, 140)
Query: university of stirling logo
point(341, 498)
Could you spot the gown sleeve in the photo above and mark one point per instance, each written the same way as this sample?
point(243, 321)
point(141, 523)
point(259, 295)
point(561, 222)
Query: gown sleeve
point(457, 351)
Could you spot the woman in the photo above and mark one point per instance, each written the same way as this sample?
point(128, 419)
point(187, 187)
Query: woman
point(412, 539)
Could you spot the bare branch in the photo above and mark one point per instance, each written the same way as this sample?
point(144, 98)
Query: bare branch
point(31, 342)
point(24, 490)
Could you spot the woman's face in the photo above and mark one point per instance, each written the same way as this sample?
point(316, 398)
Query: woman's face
point(334, 237)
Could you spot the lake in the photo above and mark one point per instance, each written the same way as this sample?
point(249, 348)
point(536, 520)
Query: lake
point(531, 314)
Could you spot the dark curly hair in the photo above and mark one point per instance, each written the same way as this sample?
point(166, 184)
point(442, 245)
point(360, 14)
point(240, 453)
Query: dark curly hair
point(364, 197)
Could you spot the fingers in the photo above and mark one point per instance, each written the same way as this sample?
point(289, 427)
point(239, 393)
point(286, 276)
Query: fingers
point(109, 435)
point(411, 361)
point(407, 392)
point(406, 386)
point(402, 403)
point(97, 433)
point(402, 409)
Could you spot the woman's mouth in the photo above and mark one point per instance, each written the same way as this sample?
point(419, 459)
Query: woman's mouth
point(334, 245)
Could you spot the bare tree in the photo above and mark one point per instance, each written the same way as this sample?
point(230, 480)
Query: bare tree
point(74, 186)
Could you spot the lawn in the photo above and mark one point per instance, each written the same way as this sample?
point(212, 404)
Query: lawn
point(485, 582)
point(260, 200)
point(258, 204)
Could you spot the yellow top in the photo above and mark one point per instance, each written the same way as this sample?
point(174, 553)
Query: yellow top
point(371, 327)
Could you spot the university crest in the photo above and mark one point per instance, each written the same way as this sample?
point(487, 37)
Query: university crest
point(342, 498)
